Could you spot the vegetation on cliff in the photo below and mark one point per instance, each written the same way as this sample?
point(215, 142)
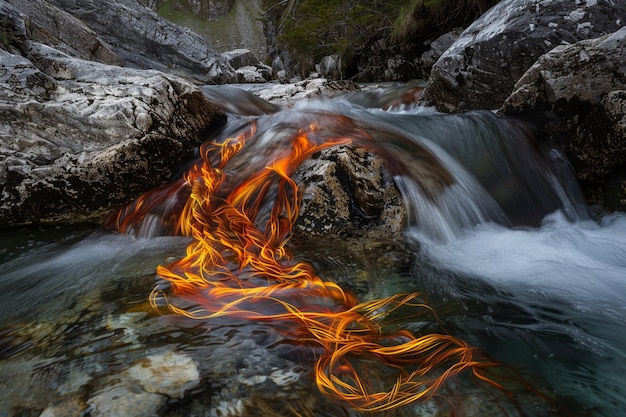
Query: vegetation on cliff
point(307, 30)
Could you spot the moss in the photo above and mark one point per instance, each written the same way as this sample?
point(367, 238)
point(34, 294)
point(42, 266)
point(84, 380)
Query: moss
point(309, 29)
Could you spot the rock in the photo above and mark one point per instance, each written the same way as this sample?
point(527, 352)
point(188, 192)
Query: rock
point(330, 67)
point(71, 405)
point(567, 82)
point(254, 74)
point(598, 151)
point(48, 24)
point(437, 48)
point(399, 69)
point(169, 373)
point(309, 88)
point(575, 95)
point(238, 58)
point(144, 40)
point(480, 69)
point(247, 66)
point(125, 401)
point(346, 190)
point(79, 137)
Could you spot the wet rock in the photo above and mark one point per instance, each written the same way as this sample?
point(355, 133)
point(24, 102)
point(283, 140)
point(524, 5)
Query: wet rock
point(309, 88)
point(480, 69)
point(345, 191)
point(81, 137)
point(168, 373)
point(575, 95)
point(67, 406)
point(125, 401)
point(144, 40)
point(598, 150)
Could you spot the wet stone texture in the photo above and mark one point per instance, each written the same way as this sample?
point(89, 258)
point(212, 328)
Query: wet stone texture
point(575, 96)
point(346, 190)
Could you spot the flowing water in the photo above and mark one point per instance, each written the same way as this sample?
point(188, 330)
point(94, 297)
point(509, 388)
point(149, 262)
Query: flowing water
point(498, 239)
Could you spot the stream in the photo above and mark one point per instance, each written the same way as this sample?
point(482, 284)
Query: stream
point(510, 258)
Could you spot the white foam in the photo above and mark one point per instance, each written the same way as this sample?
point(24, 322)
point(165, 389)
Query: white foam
point(583, 263)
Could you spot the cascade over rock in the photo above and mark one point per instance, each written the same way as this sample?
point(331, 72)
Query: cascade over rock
point(575, 95)
point(480, 69)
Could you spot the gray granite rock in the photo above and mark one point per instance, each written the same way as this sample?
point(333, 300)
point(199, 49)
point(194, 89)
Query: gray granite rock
point(480, 69)
point(142, 39)
point(575, 95)
point(80, 137)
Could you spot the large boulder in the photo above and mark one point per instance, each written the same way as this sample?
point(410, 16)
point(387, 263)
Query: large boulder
point(79, 138)
point(342, 199)
point(575, 95)
point(144, 40)
point(480, 69)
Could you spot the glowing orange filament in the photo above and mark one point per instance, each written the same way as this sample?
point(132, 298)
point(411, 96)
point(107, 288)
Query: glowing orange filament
point(236, 268)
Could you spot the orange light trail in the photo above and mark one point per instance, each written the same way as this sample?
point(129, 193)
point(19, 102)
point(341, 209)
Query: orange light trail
point(237, 268)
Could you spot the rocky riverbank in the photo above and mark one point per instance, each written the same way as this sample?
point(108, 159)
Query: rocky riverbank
point(99, 100)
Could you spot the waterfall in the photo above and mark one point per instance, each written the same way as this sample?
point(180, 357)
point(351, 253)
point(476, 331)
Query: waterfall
point(454, 171)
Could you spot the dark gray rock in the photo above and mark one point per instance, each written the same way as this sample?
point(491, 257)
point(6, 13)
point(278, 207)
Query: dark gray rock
point(400, 69)
point(78, 138)
point(239, 58)
point(144, 40)
point(598, 150)
point(575, 95)
point(437, 48)
point(480, 69)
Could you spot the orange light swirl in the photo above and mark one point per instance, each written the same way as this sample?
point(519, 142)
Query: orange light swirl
point(235, 268)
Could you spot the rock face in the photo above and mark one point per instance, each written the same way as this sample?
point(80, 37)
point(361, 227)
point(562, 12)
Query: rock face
point(480, 69)
point(47, 24)
point(575, 94)
point(80, 137)
point(144, 40)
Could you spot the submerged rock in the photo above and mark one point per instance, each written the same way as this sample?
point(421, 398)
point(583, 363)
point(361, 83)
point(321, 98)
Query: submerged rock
point(480, 69)
point(125, 401)
point(169, 373)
